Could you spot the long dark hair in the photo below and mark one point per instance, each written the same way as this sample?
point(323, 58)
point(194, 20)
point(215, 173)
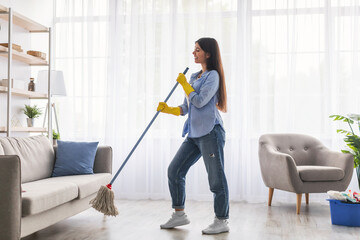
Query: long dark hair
point(210, 46)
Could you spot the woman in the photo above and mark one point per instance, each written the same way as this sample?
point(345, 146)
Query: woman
point(205, 95)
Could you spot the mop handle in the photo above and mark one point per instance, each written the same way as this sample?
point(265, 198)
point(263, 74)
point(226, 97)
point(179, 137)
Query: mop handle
point(147, 128)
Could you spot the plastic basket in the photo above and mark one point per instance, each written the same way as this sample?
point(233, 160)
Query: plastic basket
point(346, 214)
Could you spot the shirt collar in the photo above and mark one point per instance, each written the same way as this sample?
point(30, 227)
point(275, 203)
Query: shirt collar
point(203, 74)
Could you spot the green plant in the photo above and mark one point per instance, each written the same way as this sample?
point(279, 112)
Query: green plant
point(56, 136)
point(351, 139)
point(32, 112)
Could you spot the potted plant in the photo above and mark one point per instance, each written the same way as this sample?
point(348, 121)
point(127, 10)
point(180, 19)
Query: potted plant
point(31, 113)
point(56, 136)
point(351, 139)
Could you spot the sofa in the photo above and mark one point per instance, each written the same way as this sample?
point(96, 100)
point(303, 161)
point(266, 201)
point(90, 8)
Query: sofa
point(30, 199)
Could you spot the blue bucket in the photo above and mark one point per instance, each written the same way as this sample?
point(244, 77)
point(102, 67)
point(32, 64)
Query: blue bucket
point(346, 214)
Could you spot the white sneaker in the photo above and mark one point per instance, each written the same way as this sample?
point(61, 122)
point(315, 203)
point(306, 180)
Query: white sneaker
point(218, 226)
point(178, 218)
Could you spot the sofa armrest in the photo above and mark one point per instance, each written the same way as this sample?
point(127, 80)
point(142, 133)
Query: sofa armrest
point(278, 169)
point(103, 160)
point(10, 197)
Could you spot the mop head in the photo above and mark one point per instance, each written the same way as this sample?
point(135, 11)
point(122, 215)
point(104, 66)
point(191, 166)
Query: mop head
point(104, 201)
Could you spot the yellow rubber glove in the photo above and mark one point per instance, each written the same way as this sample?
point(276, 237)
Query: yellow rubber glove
point(184, 83)
point(163, 107)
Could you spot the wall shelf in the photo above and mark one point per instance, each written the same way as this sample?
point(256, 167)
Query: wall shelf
point(24, 93)
point(24, 129)
point(22, 21)
point(23, 57)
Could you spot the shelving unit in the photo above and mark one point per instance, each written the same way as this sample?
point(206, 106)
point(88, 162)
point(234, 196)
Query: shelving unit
point(24, 93)
point(14, 18)
point(22, 21)
point(24, 129)
point(23, 57)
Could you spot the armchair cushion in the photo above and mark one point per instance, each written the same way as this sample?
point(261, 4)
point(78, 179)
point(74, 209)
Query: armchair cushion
point(320, 173)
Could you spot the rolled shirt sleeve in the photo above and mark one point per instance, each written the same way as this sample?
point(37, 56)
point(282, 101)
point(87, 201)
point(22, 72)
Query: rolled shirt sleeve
point(207, 91)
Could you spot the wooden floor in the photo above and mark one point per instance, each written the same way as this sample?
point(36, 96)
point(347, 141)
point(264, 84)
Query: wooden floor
point(140, 220)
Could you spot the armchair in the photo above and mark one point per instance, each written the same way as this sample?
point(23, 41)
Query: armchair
point(302, 164)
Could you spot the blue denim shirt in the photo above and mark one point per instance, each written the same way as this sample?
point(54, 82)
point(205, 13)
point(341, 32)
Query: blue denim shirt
point(201, 105)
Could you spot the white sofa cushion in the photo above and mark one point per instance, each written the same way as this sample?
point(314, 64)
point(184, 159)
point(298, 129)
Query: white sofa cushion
point(48, 193)
point(36, 155)
point(45, 194)
point(87, 184)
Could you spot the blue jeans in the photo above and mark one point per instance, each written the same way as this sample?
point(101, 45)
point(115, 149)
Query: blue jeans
point(210, 147)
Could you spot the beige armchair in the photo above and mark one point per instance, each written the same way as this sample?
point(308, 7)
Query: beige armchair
point(302, 164)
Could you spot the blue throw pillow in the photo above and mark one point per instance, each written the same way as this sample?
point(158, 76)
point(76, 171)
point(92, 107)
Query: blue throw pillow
point(74, 158)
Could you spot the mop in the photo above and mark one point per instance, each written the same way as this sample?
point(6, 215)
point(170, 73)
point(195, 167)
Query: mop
point(104, 200)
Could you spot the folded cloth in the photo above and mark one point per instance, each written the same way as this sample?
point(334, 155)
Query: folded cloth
point(336, 195)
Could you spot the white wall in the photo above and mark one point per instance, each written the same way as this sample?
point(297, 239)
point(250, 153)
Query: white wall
point(40, 11)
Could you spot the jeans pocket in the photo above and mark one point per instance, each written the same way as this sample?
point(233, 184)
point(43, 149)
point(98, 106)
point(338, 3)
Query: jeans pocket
point(220, 132)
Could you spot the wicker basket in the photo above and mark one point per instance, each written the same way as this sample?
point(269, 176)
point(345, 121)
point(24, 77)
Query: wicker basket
point(37, 54)
point(14, 46)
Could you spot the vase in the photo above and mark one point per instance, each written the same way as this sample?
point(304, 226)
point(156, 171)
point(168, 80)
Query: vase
point(54, 142)
point(30, 122)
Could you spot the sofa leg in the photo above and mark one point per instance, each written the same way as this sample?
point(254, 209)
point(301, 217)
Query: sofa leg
point(307, 198)
point(271, 191)
point(298, 202)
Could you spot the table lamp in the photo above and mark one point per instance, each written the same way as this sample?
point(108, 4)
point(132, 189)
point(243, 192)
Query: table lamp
point(57, 88)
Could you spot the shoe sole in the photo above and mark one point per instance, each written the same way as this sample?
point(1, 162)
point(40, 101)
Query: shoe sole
point(205, 233)
point(177, 225)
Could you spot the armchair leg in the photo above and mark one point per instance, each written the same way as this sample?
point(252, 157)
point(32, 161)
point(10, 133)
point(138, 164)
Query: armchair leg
point(271, 191)
point(307, 198)
point(298, 202)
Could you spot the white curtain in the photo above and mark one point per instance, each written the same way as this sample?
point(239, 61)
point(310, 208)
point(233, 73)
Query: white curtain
point(288, 66)
point(81, 52)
